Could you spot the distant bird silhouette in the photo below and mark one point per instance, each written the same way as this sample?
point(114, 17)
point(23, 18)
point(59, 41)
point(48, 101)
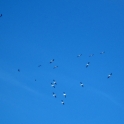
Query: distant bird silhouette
point(91, 55)
point(35, 79)
point(0, 15)
point(87, 64)
point(64, 94)
point(81, 84)
point(18, 70)
point(54, 82)
point(52, 85)
point(51, 61)
point(55, 67)
point(62, 102)
point(102, 52)
point(54, 95)
point(79, 55)
point(109, 75)
point(39, 65)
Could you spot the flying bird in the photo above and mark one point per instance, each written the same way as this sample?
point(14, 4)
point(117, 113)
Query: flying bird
point(81, 84)
point(79, 55)
point(0, 15)
point(87, 64)
point(35, 79)
point(91, 55)
point(62, 102)
point(54, 82)
point(55, 67)
point(102, 52)
point(52, 85)
point(64, 94)
point(51, 61)
point(39, 65)
point(54, 95)
point(18, 70)
point(109, 75)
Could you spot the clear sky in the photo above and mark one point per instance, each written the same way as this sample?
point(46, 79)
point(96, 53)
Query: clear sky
point(33, 33)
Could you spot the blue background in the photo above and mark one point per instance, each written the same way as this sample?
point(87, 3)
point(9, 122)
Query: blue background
point(33, 33)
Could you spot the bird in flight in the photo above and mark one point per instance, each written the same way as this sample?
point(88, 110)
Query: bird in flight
point(54, 82)
point(18, 70)
point(62, 102)
point(64, 94)
point(102, 52)
point(39, 65)
point(79, 55)
point(109, 75)
point(81, 84)
point(87, 64)
point(91, 55)
point(35, 79)
point(51, 61)
point(55, 67)
point(52, 85)
point(0, 15)
point(54, 95)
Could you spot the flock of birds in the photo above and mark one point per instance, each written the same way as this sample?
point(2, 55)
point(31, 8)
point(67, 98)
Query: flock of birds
point(54, 95)
point(53, 84)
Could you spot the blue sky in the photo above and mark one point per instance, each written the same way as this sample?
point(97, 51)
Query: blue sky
point(33, 33)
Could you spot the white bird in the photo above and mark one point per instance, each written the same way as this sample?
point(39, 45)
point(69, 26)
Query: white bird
point(52, 85)
point(51, 61)
point(102, 52)
point(55, 67)
point(54, 82)
point(54, 95)
point(91, 55)
point(64, 94)
point(79, 55)
point(87, 64)
point(62, 102)
point(109, 75)
point(81, 84)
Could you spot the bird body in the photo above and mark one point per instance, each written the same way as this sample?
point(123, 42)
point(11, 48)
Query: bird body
point(39, 65)
point(54, 95)
point(51, 61)
point(64, 94)
point(91, 55)
point(81, 84)
point(102, 52)
point(62, 102)
point(55, 67)
point(52, 85)
point(79, 55)
point(109, 75)
point(54, 82)
point(87, 64)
